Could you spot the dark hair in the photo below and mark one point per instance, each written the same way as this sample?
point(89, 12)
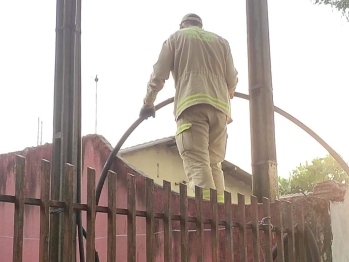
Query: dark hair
point(193, 23)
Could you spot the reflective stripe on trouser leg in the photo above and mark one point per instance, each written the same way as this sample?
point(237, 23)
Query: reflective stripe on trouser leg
point(207, 196)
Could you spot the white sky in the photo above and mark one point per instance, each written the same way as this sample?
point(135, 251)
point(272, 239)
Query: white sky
point(121, 41)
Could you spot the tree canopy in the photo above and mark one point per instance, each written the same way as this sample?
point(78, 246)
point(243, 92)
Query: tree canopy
point(305, 177)
point(340, 5)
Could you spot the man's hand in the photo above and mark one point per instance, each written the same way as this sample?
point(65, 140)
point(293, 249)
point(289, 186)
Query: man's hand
point(231, 94)
point(147, 111)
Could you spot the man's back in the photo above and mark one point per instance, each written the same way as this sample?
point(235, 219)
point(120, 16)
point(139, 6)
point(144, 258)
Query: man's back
point(197, 50)
point(201, 69)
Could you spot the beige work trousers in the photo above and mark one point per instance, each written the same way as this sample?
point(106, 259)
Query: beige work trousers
point(201, 140)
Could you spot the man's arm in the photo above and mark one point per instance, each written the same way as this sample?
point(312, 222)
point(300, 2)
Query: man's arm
point(161, 72)
point(231, 74)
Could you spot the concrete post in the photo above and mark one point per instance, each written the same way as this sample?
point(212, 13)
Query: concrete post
point(264, 165)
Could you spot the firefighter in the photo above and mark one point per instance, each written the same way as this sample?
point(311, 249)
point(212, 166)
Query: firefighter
point(205, 79)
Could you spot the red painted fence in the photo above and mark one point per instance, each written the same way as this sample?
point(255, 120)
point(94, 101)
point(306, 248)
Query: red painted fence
point(152, 223)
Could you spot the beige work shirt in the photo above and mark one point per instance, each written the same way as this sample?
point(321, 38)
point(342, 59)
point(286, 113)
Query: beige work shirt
point(202, 67)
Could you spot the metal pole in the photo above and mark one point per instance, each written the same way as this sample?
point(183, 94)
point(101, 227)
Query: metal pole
point(264, 164)
point(55, 217)
point(66, 118)
point(96, 80)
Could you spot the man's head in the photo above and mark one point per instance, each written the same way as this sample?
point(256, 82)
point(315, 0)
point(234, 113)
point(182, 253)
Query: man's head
point(191, 20)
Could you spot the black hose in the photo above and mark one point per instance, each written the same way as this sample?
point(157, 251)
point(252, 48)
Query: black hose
point(116, 149)
point(312, 250)
point(129, 131)
point(112, 156)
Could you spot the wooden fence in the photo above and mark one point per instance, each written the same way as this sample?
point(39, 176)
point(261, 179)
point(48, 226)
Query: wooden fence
point(260, 234)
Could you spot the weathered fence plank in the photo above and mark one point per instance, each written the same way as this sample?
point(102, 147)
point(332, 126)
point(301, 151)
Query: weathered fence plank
point(44, 211)
point(255, 229)
point(91, 215)
point(279, 232)
point(150, 234)
point(68, 213)
point(131, 219)
point(19, 209)
point(214, 225)
point(301, 233)
point(167, 222)
point(229, 242)
point(290, 232)
point(267, 231)
point(184, 222)
point(199, 225)
point(111, 246)
point(242, 228)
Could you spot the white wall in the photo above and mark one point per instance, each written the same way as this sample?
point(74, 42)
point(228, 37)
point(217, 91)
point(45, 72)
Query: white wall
point(339, 212)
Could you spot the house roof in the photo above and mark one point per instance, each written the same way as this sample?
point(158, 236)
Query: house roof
point(228, 168)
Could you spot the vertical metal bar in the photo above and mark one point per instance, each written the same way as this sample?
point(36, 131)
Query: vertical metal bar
point(41, 133)
point(77, 149)
point(55, 242)
point(267, 231)
point(131, 219)
point(37, 138)
point(184, 222)
point(265, 183)
point(279, 232)
point(68, 213)
point(242, 228)
point(290, 231)
point(67, 117)
point(167, 222)
point(200, 244)
point(255, 229)
point(44, 211)
point(111, 216)
point(214, 225)
point(301, 233)
point(19, 209)
point(91, 215)
point(229, 240)
point(70, 138)
point(150, 234)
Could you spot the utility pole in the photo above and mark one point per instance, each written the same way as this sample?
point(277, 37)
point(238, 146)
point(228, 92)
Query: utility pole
point(66, 118)
point(264, 164)
point(96, 80)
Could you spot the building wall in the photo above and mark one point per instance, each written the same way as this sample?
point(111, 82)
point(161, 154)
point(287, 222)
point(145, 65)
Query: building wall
point(161, 162)
point(339, 212)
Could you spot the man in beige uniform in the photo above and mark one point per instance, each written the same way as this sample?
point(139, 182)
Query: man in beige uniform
point(205, 78)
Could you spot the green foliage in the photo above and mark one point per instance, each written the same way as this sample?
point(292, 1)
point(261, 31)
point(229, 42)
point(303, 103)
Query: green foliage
point(305, 177)
point(340, 5)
